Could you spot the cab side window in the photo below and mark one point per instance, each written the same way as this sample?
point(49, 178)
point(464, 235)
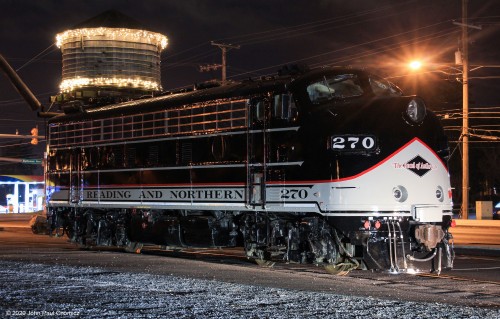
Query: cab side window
point(381, 87)
point(258, 110)
point(341, 86)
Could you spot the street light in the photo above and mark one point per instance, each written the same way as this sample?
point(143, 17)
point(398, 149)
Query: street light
point(421, 67)
point(415, 65)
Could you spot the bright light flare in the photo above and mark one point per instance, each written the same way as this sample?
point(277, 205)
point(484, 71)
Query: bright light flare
point(415, 65)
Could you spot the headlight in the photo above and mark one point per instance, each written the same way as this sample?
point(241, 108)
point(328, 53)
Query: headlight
point(415, 111)
point(439, 193)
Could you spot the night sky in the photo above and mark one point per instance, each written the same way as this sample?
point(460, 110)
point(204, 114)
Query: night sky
point(381, 35)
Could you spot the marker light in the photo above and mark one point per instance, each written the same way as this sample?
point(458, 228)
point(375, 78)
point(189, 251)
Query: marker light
point(439, 193)
point(400, 193)
point(366, 224)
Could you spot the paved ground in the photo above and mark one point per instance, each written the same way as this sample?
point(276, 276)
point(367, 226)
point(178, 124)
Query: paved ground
point(30, 290)
point(43, 277)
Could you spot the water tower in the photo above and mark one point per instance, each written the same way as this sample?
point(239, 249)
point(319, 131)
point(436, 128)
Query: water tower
point(109, 58)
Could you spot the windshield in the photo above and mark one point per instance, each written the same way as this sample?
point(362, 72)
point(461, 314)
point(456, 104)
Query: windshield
point(334, 87)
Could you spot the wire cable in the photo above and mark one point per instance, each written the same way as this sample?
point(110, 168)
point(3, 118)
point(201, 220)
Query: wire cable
point(39, 55)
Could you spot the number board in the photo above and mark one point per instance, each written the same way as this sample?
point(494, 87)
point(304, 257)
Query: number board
point(364, 144)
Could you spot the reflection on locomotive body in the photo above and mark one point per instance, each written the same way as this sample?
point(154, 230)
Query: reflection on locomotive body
point(328, 166)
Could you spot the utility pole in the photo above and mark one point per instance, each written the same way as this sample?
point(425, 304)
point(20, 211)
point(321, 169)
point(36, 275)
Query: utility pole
point(224, 48)
point(465, 108)
point(465, 111)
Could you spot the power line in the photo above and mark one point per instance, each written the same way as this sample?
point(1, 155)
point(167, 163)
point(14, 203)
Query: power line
point(414, 41)
point(39, 55)
point(352, 57)
point(188, 59)
point(280, 32)
point(18, 144)
point(472, 108)
point(394, 46)
point(187, 50)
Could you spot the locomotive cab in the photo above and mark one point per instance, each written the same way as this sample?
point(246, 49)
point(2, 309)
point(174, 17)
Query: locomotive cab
point(385, 158)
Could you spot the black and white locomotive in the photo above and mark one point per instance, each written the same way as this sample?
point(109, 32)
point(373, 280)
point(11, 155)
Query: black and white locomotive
point(331, 166)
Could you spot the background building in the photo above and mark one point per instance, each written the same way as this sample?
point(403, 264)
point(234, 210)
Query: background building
point(21, 193)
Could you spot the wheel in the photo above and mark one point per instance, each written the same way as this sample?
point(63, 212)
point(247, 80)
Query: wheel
point(264, 263)
point(340, 269)
point(133, 247)
point(58, 231)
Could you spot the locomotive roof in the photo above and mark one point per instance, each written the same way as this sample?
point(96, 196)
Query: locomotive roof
point(169, 100)
point(235, 89)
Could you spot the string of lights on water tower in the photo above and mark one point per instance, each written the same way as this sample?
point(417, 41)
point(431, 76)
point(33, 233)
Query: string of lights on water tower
point(105, 57)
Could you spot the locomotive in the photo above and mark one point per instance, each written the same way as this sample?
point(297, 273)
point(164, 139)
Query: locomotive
point(328, 166)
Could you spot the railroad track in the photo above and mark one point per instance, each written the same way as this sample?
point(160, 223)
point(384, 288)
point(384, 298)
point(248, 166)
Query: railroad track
point(454, 284)
point(472, 291)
